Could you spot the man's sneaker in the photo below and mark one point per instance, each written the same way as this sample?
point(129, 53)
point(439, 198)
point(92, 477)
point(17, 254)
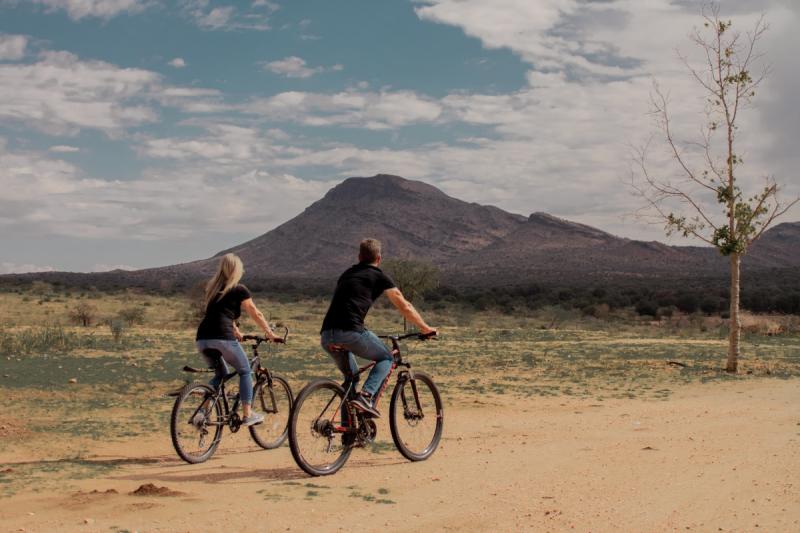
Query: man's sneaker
point(363, 402)
point(253, 419)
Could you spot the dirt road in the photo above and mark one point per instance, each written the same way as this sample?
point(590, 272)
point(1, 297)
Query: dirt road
point(714, 457)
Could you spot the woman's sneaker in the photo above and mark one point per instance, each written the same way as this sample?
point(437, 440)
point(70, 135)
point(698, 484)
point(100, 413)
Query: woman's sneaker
point(253, 419)
point(363, 402)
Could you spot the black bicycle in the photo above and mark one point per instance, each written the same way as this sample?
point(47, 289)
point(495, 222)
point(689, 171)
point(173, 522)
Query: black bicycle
point(201, 412)
point(325, 426)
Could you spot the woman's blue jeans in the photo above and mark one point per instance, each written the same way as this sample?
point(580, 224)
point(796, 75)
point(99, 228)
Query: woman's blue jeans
point(233, 354)
point(363, 344)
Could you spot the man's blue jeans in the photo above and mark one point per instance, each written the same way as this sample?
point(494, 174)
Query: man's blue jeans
point(363, 344)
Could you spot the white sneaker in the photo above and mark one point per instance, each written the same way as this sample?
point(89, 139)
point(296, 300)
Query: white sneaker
point(253, 419)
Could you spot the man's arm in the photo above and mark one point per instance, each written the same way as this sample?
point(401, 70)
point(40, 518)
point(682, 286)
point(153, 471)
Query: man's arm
point(407, 310)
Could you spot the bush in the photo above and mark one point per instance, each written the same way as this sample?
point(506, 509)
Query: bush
point(83, 314)
point(132, 315)
point(647, 308)
point(118, 328)
point(687, 302)
point(709, 305)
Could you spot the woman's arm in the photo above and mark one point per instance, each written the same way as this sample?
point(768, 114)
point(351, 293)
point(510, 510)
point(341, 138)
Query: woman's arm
point(250, 307)
point(236, 332)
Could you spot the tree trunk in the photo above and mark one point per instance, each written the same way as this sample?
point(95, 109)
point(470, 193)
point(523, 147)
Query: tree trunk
point(735, 324)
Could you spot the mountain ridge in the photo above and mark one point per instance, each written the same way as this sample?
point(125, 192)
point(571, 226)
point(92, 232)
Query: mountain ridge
point(467, 241)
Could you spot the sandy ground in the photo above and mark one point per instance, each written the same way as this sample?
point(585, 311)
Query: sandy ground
point(714, 457)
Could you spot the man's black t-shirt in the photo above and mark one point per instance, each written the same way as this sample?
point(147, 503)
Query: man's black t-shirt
point(356, 290)
point(218, 322)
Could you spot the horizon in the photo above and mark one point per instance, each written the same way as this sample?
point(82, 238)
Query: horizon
point(214, 254)
point(120, 150)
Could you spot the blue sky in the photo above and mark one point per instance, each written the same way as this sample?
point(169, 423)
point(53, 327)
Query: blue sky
point(140, 133)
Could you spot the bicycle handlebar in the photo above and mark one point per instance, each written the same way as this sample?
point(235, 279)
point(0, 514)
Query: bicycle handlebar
point(259, 339)
point(417, 336)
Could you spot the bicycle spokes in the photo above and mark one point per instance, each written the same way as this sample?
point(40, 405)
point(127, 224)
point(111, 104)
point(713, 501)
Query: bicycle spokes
point(319, 442)
point(416, 417)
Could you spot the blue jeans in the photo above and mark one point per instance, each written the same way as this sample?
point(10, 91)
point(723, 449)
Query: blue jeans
point(233, 354)
point(363, 344)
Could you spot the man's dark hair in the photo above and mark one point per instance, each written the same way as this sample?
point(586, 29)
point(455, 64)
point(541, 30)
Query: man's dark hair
point(369, 250)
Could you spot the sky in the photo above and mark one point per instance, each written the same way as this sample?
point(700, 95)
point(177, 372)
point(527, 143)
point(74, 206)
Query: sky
point(140, 133)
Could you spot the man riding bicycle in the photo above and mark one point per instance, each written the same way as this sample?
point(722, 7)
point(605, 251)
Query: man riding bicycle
point(343, 334)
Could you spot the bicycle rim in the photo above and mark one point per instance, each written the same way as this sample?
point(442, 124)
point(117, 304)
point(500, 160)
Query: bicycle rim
point(196, 423)
point(316, 447)
point(416, 417)
point(275, 403)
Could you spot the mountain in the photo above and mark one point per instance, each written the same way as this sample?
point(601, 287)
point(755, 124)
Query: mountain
point(472, 244)
point(411, 219)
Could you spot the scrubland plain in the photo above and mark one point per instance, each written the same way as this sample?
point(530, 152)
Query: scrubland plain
point(553, 421)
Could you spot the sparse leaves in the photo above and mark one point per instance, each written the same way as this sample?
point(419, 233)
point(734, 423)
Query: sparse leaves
point(716, 209)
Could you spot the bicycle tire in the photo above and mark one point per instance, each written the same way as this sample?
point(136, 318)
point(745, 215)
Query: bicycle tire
point(402, 396)
point(179, 422)
point(303, 421)
point(283, 397)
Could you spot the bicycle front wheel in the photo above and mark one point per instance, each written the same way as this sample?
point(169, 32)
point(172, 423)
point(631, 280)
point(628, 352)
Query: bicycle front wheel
point(416, 416)
point(196, 423)
point(275, 402)
point(318, 445)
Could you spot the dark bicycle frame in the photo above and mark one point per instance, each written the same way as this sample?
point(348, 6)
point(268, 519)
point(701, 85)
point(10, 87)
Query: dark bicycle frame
point(352, 379)
point(230, 416)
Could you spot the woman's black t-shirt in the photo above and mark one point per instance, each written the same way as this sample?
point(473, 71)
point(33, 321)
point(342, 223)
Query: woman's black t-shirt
point(218, 322)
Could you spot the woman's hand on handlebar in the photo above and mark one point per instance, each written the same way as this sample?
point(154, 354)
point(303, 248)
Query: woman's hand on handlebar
point(274, 338)
point(428, 331)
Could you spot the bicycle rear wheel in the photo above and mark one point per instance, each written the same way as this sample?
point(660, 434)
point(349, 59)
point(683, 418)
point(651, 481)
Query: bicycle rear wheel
point(416, 416)
point(275, 402)
point(317, 447)
point(196, 423)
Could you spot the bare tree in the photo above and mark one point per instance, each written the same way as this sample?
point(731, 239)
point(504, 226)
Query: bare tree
point(706, 200)
point(413, 278)
point(83, 314)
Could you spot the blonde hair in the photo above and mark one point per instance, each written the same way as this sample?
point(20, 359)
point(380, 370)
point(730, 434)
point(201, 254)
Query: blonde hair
point(228, 274)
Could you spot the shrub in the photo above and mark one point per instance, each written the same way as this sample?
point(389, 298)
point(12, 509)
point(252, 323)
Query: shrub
point(118, 328)
point(83, 314)
point(647, 307)
point(132, 315)
point(709, 305)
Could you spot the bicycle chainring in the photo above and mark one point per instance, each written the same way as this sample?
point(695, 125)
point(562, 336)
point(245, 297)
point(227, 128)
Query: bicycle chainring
point(367, 431)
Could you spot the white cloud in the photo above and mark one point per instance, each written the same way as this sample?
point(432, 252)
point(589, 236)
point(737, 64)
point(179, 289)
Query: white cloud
point(229, 17)
point(15, 268)
point(370, 110)
point(12, 47)
point(61, 94)
point(234, 195)
point(103, 267)
point(178, 62)
point(64, 149)
point(105, 9)
point(192, 100)
point(563, 141)
point(291, 67)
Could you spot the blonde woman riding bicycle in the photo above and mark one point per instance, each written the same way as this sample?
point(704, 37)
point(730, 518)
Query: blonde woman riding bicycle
point(225, 298)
